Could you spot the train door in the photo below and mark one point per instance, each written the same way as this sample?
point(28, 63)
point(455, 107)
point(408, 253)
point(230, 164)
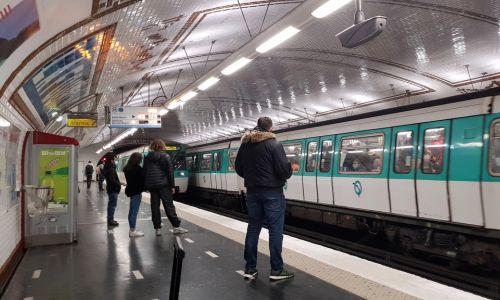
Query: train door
point(464, 179)
point(309, 175)
point(324, 172)
point(490, 181)
point(204, 178)
point(293, 188)
point(216, 174)
point(231, 176)
point(402, 170)
point(432, 175)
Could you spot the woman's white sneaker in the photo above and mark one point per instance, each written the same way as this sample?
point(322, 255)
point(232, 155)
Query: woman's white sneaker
point(135, 233)
point(158, 232)
point(180, 230)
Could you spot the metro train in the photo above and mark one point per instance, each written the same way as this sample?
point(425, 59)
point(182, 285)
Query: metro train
point(177, 155)
point(427, 179)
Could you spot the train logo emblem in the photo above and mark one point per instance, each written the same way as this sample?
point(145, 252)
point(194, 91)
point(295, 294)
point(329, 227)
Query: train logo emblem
point(358, 188)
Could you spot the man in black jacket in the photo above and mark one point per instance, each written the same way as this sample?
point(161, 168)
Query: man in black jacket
point(113, 187)
point(262, 162)
point(159, 181)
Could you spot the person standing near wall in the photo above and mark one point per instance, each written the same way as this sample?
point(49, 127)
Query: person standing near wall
point(99, 170)
point(113, 187)
point(159, 181)
point(262, 162)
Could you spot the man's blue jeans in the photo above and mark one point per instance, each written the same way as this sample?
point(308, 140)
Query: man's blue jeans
point(112, 200)
point(266, 208)
point(135, 203)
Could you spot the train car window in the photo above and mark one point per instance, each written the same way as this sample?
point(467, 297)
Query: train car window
point(404, 152)
point(217, 162)
point(362, 154)
point(434, 144)
point(326, 156)
point(179, 161)
point(312, 154)
point(292, 151)
point(495, 149)
point(206, 161)
point(189, 163)
point(232, 159)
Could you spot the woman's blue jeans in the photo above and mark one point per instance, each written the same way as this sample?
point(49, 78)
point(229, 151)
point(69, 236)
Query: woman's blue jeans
point(268, 208)
point(135, 203)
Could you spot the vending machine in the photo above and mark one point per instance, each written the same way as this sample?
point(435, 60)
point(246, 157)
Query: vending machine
point(50, 189)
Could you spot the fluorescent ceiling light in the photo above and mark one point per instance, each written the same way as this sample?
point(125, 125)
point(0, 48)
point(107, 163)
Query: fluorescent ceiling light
point(188, 95)
point(328, 7)
point(4, 123)
point(163, 112)
point(174, 104)
point(54, 114)
point(59, 119)
point(240, 63)
point(277, 39)
point(208, 83)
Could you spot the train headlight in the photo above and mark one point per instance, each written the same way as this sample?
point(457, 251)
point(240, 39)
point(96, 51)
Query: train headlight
point(182, 173)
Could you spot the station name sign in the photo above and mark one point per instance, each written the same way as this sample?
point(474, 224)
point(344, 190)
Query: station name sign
point(134, 117)
point(81, 120)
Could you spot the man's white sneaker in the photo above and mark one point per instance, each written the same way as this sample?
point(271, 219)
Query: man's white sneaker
point(180, 230)
point(158, 232)
point(135, 233)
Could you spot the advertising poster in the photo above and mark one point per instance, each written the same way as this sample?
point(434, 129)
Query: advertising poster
point(54, 172)
point(18, 21)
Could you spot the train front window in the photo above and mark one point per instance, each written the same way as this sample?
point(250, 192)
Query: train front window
point(206, 160)
point(312, 153)
point(326, 156)
point(217, 162)
point(362, 154)
point(404, 152)
point(232, 160)
point(495, 149)
point(434, 145)
point(179, 162)
point(292, 152)
point(189, 163)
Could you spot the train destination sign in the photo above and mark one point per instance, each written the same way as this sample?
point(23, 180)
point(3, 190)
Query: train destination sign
point(81, 120)
point(134, 117)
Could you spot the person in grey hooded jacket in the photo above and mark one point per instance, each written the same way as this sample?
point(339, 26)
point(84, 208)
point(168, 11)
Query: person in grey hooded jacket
point(159, 181)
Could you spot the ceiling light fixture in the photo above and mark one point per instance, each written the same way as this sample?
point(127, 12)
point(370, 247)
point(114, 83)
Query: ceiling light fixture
point(174, 104)
point(240, 63)
point(328, 7)
point(277, 39)
point(163, 112)
point(54, 113)
point(59, 119)
point(4, 123)
point(187, 96)
point(208, 83)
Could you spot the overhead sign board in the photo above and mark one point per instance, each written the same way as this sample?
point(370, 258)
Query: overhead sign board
point(81, 120)
point(134, 117)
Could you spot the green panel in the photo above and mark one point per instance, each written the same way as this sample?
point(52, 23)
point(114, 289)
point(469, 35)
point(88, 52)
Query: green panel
point(444, 162)
point(310, 140)
point(330, 172)
point(486, 176)
point(302, 164)
point(181, 174)
point(385, 167)
point(466, 148)
point(395, 131)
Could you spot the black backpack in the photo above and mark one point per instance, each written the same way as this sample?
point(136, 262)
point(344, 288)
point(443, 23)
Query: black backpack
point(89, 170)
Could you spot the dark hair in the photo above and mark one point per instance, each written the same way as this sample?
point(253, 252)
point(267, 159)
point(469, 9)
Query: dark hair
point(265, 123)
point(90, 162)
point(157, 145)
point(134, 160)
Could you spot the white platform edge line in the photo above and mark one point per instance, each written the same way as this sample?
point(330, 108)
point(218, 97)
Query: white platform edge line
point(137, 275)
point(211, 254)
point(402, 281)
point(36, 274)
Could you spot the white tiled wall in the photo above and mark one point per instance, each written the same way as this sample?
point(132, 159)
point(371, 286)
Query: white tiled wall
point(10, 232)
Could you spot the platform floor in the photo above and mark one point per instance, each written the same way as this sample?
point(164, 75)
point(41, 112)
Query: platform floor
point(107, 264)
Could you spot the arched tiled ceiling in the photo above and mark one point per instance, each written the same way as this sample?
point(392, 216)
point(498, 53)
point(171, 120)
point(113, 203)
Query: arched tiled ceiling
point(429, 50)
